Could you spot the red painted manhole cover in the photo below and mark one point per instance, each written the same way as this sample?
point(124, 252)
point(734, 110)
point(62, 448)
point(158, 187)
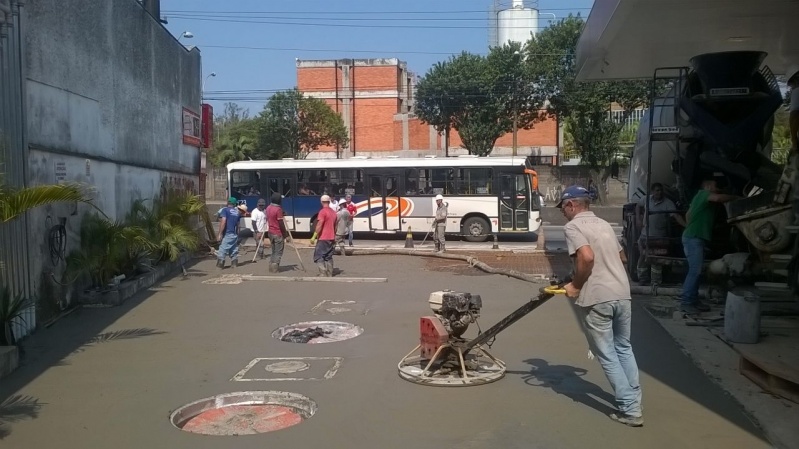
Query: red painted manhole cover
point(243, 420)
point(244, 413)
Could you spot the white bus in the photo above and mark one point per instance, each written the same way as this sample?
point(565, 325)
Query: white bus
point(485, 195)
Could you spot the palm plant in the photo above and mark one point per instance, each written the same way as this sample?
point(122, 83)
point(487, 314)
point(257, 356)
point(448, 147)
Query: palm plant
point(11, 309)
point(15, 202)
point(108, 248)
point(233, 149)
point(168, 223)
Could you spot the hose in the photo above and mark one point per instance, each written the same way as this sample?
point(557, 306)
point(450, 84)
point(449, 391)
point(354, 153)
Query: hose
point(471, 260)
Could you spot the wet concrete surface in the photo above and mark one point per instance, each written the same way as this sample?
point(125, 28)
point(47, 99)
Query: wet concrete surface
point(108, 378)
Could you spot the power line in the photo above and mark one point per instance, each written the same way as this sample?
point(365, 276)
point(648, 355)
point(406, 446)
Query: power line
point(343, 19)
point(478, 11)
point(348, 25)
point(331, 50)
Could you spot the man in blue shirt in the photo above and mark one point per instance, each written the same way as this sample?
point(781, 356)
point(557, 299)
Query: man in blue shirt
point(228, 235)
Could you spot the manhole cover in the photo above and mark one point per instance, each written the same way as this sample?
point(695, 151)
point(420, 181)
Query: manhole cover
point(244, 413)
point(291, 366)
point(317, 332)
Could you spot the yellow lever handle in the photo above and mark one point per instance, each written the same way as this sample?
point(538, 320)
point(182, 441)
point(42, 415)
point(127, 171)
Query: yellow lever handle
point(554, 290)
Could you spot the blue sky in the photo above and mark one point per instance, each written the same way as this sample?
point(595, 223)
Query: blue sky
point(420, 32)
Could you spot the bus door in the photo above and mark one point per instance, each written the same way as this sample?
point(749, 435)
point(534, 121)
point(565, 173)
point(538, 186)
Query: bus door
point(514, 202)
point(384, 203)
point(282, 183)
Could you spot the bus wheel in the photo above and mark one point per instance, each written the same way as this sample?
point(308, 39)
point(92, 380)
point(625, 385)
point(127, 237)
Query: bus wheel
point(476, 229)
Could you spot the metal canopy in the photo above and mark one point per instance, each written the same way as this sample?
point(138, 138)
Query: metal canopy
point(624, 39)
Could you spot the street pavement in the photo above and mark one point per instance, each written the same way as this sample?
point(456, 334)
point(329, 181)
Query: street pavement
point(109, 377)
point(554, 240)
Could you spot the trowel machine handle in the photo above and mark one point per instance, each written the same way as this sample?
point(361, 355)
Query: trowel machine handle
point(555, 287)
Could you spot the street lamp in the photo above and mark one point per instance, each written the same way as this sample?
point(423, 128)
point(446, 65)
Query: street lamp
point(206, 79)
point(186, 34)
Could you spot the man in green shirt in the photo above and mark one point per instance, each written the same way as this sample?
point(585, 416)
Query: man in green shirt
point(698, 232)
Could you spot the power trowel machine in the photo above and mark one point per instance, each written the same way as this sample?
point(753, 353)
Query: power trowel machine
point(444, 357)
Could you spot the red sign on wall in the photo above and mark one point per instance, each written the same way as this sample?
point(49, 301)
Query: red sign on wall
point(208, 126)
point(191, 128)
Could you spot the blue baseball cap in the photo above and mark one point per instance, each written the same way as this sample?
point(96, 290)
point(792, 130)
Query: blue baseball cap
point(571, 193)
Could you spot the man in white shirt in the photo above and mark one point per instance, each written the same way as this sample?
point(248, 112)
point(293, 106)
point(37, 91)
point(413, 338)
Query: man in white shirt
point(258, 218)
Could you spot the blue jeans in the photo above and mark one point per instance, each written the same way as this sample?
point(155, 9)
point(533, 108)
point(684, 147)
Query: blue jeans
point(607, 326)
point(229, 244)
point(349, 234)
point(694, 248)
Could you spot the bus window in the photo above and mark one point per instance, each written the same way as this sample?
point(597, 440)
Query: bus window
point(346, 181)
point(475, 181)
point(412, 183)
point(281, 186)
point(443, 181)
point(244, 183)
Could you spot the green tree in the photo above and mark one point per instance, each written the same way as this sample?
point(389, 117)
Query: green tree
point(479, 96)
point(584, 107)
point(231, 149)
point(230, 128)
point(293, 125)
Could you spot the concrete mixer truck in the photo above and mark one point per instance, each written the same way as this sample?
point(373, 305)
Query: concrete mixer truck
point(716, 118)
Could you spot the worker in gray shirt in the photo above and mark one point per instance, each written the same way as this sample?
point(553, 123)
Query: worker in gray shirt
point(440, 224)
point(343, 225)
point(660, 209)
point(602, 293)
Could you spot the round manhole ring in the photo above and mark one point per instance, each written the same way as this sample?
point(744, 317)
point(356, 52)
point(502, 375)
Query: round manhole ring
point(243, 413)
point(314, 332)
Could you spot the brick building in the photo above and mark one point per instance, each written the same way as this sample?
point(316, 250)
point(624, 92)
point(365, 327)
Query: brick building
point(375, 97)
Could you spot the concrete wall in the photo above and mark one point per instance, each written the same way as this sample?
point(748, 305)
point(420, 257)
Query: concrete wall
point(106, 85)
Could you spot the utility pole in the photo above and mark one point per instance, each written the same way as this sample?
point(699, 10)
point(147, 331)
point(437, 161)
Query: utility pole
point(515, 126)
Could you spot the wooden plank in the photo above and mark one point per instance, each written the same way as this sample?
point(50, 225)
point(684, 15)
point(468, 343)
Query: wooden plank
point(769, 382)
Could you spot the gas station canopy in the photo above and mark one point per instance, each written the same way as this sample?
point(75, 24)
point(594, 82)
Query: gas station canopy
point(625, 39)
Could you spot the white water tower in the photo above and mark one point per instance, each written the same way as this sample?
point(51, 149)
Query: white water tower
point(512, 21)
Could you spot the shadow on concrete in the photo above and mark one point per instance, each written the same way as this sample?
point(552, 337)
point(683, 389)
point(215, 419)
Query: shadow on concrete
point(123, 334)
point(660, 357)
point(17, 408)
point(568, 381)
point(50, 347)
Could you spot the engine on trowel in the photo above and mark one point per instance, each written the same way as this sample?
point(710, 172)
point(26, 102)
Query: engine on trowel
point(453, 313)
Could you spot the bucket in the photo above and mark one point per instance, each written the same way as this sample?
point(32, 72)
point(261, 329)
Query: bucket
point(742, 317)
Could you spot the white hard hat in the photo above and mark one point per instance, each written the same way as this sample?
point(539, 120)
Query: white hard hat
point(792, 71)
point(439, 197)
point(325, 198)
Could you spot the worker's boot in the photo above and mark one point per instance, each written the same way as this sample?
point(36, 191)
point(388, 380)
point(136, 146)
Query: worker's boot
point(443, 247)
point(274, 268)
point(438, 247)
point(329, 268)
point(234, 263)
point(322, 269)
point(220, 263)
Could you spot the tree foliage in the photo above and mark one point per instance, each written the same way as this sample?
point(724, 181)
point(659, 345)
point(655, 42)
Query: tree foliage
point(478, 96)
point(583, 106)
point(293, 125)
